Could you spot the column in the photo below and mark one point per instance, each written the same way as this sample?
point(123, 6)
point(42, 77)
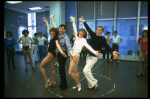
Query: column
point(57, 8)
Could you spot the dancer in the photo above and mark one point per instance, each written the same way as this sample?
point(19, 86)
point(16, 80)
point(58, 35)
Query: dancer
point(64, 44)
point(143, 41)
point(9, 43)
point(104, 51)
point(78, 44)
point(34, 48)
point(97, 41)
point(115, 42)
point(25, 43)
point(49, 59)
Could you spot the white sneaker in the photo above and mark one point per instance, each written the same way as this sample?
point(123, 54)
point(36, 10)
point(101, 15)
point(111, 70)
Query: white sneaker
point(96, 86)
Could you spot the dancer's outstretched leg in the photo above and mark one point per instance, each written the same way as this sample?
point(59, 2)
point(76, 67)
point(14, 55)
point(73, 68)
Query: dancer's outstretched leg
point(44, 62)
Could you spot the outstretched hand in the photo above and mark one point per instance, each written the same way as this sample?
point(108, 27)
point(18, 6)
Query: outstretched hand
point(52, 16)
point(64, 54)
point(45, 20)
point(97, 54)
point(72, 18)
point(81, 19)
point(75, 58)
point(115, 54)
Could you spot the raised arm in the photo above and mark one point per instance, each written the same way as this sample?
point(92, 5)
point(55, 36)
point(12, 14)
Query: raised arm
point(52, 17)
point(48, 27)
point(86, 26)
point(74, 26)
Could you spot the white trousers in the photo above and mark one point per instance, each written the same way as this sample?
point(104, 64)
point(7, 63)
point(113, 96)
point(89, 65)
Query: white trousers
point(34, 51)
point(90, 61)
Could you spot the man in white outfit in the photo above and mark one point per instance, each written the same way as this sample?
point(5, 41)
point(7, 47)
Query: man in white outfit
point(97, 42)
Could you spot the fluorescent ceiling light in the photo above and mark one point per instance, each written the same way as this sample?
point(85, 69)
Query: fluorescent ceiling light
point(35, 8)
point(13, 2)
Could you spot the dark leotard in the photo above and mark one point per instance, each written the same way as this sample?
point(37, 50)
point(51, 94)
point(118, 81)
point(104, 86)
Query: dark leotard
point(52, 46)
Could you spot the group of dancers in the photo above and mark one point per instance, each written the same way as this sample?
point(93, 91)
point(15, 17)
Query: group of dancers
point(60, 42)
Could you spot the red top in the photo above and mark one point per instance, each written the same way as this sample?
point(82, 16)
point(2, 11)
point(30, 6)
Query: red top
point(144, 44)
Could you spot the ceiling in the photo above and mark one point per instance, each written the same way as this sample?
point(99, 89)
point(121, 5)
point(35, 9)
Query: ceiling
point(25, 5)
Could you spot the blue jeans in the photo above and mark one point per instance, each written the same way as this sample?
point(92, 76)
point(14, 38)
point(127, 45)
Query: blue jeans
point(42, 52)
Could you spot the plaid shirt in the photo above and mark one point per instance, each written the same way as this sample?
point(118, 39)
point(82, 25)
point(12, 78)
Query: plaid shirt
point(64, 43)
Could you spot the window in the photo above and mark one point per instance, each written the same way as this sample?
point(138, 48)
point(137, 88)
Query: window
point(31, 24)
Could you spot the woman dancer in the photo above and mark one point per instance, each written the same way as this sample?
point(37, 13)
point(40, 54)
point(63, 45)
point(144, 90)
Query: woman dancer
point(65, 45)
point(49, 59)
point(143, 41)
point(25, 43)
point(78, 44)
point(10, 42)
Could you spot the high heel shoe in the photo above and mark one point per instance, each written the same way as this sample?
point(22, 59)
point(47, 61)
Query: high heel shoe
point(46, 85)
point(77, 86)
point(52, 83)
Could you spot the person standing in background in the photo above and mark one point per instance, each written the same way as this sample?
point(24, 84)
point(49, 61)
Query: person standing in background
point(9, 43)
point(41, 47)
point(34, 48)
point(25, 47)
point(104, 51)
point(115, 43)
point(45, 44)
point(143, 41)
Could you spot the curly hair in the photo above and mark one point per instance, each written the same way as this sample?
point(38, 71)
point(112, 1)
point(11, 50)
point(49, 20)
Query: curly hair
point(25, 31)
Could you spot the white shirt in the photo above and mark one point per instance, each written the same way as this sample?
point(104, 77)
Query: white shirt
point(115, 39)
point(25, 40)
point(41, 40)
point(78, 44)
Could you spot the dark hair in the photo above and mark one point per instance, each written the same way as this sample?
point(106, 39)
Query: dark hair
point(25, 31)
point(62, 25)
point(115, 32)
point(8, 32)
point(54, 30)
point(107, 33)
point(146, 32)
point(35, 34)
point(85, 33)
point(40, 33)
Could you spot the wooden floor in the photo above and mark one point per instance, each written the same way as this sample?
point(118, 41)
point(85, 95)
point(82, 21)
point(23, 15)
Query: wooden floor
point(115, 80)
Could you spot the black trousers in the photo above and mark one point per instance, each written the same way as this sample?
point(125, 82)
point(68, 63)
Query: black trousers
point(62, 61)
point(104, 52)
point(10, 55)
point(84, 53)
point(115, 46)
